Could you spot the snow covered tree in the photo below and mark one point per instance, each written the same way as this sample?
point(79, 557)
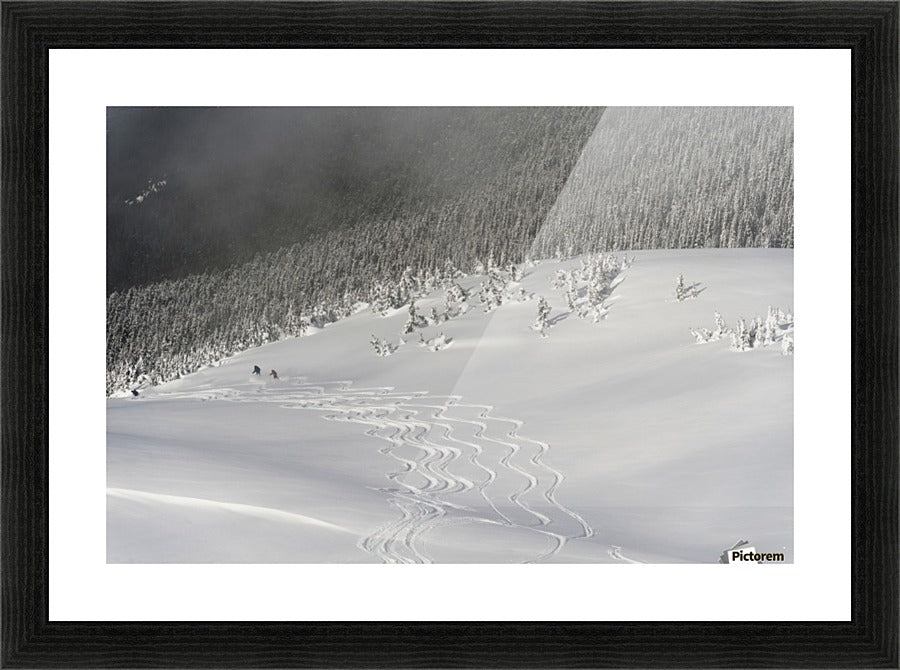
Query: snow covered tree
point(787, 345)
point(451, 306)
point(722, 328)
point(542, 321)
point(492, 291)
point(434, 318)
point(497, 288)
point(459, 293)
point(597, 291)
point(414, 321)
point(755, 331)
point(407, 288)
point(449, 272)
point(741, 338)
point(455, 300)
point(381, 298)
point(484, 296)
point(769, 327)
point(439, 342)
point(702, 335)
point(382, 347)
point(560, 279)
point(680, 293)
point(571, 297)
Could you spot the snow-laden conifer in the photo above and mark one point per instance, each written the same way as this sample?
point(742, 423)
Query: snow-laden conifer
point(382, 347)
point(740, 337)
point(414, 320)
point(542, 321)
point(597, 291)
point(439, 342)
point(435, 317)
point(770, 327)
point(721, 329)
point(571, 297)
point(680, 293)
point(702, 335)
point(787, 345)
point(560, 279)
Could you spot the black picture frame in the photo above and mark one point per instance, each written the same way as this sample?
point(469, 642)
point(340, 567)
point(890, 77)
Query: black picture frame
point(30, 29)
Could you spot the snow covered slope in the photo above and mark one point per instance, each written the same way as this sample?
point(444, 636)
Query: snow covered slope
point(617, 440)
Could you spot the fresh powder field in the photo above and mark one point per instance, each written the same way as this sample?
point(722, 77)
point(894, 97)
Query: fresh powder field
point(633, 426)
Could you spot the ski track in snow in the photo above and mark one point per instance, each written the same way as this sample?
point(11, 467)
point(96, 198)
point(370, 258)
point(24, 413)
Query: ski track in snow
point(429, 437)
point(616, 553)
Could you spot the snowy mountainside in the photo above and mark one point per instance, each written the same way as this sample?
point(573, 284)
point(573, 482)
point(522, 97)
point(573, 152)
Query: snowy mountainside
point(614, 438)
point(492, 182)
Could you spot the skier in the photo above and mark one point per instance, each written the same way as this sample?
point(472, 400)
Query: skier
point(273, 374)
point(142, 383)
point(256, 370)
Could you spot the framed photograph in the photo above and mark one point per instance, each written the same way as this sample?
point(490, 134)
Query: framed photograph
point(450, 334)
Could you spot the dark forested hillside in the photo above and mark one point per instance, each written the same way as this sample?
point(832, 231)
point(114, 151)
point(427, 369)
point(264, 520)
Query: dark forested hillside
point(371, 208)
point(418, 188)
point(195, 189)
